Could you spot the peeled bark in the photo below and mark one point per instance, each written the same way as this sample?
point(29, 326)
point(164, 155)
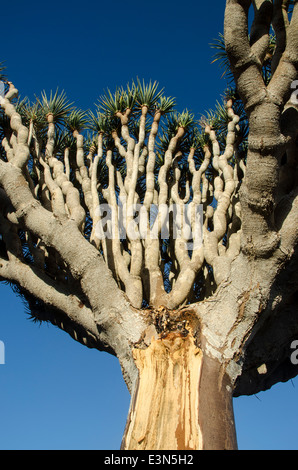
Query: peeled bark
point(182, 399)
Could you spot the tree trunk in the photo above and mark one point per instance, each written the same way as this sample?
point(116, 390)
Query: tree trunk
point(182, 401)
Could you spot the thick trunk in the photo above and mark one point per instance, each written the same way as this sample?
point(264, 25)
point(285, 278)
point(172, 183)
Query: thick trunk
point(182, 401)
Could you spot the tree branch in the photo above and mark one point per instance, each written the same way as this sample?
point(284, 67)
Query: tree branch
point(286, 217)
point(287, 69)
point(50, 293)
point(21, 151)
point(259, 33)
point(245, 65)
point(280, 23)
point(64, 236)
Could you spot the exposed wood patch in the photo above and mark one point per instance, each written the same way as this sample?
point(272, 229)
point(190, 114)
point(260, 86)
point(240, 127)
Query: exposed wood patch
point(164, 415)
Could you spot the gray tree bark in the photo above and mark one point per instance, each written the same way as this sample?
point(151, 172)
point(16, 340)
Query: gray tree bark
point(182, 360)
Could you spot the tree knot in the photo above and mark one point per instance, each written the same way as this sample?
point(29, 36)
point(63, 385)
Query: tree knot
point(166, 321)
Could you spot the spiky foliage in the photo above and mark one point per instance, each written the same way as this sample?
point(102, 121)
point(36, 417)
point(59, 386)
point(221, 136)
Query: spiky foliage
point(148, 94)
point(150, 115)
point(56, 104)
point(165, 104)
point(112, 103)
point(220, 57)
point(2, 68)
point(76, 120)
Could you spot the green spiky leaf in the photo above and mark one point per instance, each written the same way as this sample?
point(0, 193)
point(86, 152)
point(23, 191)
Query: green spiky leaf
point(148, 93)
point(56, 104)
point(76, 120)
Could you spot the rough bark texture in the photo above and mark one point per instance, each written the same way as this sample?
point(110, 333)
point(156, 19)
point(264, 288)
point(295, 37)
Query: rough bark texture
point(192, 324)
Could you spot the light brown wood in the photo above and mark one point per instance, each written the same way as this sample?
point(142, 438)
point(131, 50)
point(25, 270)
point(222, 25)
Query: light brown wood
point(165, 413)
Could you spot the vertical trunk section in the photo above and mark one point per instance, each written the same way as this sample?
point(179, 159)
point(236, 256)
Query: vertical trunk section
point(182, 400)
point(258, 195)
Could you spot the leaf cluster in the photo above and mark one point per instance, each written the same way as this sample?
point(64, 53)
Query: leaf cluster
point(133, 98)
point(221, 58)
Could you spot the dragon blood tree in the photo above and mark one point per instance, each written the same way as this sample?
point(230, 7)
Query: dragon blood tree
point(168, 243)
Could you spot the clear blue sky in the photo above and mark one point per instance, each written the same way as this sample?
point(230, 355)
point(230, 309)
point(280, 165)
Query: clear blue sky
point(55, 393)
